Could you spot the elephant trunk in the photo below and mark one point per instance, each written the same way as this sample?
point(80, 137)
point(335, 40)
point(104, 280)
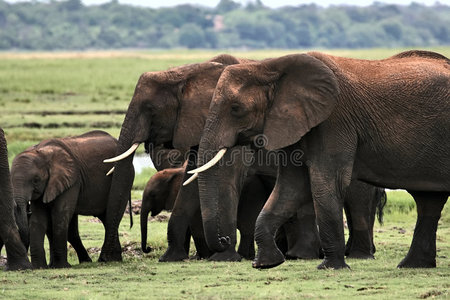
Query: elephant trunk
point(119, 194)
point(145, 209)
point(219, 189)
point(22, 215)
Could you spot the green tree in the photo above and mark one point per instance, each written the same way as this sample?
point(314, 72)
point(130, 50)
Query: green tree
point(192, 36)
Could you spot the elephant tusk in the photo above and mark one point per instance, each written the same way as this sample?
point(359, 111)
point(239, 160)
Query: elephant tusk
point(123, 155)
point(110, 171)
point(210, 163)
point(192, 178)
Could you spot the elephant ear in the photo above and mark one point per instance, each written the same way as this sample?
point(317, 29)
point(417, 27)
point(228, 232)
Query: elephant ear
point(194, 97)
point(62, 172)
point(304, 93)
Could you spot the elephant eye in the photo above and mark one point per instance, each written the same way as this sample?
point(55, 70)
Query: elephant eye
point(238, 110)
point(35, 180)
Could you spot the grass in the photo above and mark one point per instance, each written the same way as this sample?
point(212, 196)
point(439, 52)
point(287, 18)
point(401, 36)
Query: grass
point(142, 276)
point(69, 93)
point(45, 95)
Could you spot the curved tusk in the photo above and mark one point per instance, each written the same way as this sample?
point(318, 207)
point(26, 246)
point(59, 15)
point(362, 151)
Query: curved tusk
point(123, 155)
point(110, 171)
point(210, 163)
point(192, 178)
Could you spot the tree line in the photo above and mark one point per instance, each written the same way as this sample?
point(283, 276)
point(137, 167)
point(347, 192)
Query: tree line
point(70, 25)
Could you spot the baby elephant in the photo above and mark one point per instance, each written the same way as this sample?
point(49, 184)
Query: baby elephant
point(159, 194)
point(62, 178)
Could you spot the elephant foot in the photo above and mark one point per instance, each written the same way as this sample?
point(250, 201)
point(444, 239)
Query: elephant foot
point(85, 260)
point(110, 256)
point(266, 260)
point(333, 263)
point(225, 256)
point(18, 264)
point(59, 265)
point(415, 262)
point(172, 254)
point(360, 255)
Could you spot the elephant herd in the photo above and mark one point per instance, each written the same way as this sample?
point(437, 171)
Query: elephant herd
point(277, 148)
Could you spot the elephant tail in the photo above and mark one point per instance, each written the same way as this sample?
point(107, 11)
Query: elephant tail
point(381, 198)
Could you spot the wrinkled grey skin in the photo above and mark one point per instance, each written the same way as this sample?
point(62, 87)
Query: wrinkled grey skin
point(383, 122)
point(169, 108)
point(62, 178)
point(9, 233)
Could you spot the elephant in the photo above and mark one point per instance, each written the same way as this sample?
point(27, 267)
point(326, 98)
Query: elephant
point(159, 194)
point(62, 178)
point(9, 233)
point(170, 108)
point(383, 122)
point(162, 188)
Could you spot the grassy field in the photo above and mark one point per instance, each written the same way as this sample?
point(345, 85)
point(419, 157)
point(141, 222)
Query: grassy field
point(45, 95)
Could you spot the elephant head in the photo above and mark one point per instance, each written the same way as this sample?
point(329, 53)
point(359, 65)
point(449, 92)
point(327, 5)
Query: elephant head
point(170, 108)
point(41, 172)
point(277, 100)
point(159, 194)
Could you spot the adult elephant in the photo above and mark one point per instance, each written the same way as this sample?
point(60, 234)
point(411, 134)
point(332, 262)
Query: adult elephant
point(62, 178)
point(9, 233)
point(384, 122)
point(168, 108)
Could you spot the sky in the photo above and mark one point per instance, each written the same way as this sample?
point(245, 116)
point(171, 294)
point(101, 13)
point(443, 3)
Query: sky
point(270, 3)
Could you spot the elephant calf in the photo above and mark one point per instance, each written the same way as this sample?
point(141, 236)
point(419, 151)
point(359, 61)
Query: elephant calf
point(62, 178)
point(161, 192)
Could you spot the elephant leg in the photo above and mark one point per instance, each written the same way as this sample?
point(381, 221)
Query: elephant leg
point(119, 195)
point(198, 235)
point(285, 199)
point(38, 227)
point(302, 234)
point(75, 241)
point(61, 214)
point(17, 258)
point(358, 207)
point(185, 207)
point(422, 253)
point(281, 240)
point(328, 204)
point(253, 196)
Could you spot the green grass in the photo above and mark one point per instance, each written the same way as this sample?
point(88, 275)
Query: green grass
point(41, 88)
point(95, 88)
point(142, 276)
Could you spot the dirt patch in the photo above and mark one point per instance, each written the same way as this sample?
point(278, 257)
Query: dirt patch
point(2, 261)
point(429, 294)
point(69, 125)
point(78, 112)
point(130, 248)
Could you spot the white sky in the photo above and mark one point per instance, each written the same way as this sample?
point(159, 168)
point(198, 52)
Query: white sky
point(270, 3)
